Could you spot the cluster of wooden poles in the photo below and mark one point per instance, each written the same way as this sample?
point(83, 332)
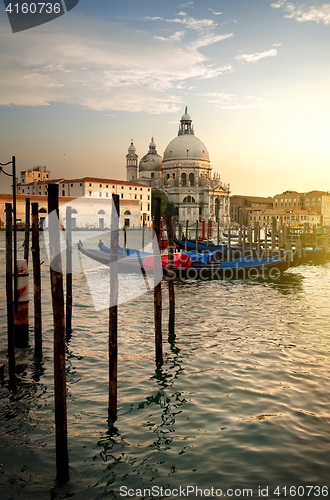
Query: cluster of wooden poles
point(248, 237)
point(62, 317)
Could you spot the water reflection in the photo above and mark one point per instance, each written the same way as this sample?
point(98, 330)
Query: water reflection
point(114, 445)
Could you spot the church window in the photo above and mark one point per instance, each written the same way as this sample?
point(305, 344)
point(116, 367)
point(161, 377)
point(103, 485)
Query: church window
point(63, 192)
point(192, 179)
point(168, 176)
point(183, 179)
point(101, 212)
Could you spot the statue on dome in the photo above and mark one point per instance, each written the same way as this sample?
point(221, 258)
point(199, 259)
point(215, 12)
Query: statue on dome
point(186, 110)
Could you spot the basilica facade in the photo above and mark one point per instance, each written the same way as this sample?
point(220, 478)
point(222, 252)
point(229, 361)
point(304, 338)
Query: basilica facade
point(185, 174)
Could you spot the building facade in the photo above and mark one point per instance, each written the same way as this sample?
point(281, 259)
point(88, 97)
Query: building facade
point(293, 217)
point(240, 207)
point(133, 195)
point(314, 201)
point(185, 175)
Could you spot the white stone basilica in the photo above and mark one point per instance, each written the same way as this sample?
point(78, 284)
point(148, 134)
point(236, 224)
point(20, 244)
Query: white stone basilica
point(185, 174)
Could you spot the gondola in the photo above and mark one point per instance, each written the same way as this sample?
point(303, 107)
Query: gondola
point(248, 267)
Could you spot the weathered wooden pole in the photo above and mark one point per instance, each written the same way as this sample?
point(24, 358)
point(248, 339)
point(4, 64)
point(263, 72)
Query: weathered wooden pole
point(36, 282)
point(68, 305)
point(9, 292)
point(170, 269)
point(273, 236)
point(56, 277)
point(143, 226)
point(113, 310)
point(266, 240)
point(257, 228)
point(185, 242)
point(208, 232)
point(196, 235)
point(158, 289)
point(240, 234)
point(243, 242)
point(125, 240)
point(229, 244)
point(218, 233)
point(251, 242)
point(27, 230)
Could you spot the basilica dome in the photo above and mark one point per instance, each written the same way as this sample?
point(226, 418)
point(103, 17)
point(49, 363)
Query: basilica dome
point(151, 161)
point(186, 145)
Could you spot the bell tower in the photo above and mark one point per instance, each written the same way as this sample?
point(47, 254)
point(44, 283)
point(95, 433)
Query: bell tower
point(131, 163)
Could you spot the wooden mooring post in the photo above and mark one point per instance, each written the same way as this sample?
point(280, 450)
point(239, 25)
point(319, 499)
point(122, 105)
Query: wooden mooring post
point(68, 304)
point(186, 239)
point(36, 282)
point(229, 244)
point(273, 236)
point(170, 237)
point(218, 233)
point(113, 310)
point(157, 290)
point(56, 278)
point(243, 242)
point(27, 230)
point(197, 235)
point(9, 292)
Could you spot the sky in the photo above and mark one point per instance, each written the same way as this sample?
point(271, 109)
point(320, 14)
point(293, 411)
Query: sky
point(255, 75)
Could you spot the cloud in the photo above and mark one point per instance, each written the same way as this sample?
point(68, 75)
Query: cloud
point(304, 13)
point(231, 102)
point(215, 13)
point(105, 67)
point(252, 58)
point(188, 4)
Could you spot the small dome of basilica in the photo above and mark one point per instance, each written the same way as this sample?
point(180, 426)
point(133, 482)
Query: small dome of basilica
point(152, 161)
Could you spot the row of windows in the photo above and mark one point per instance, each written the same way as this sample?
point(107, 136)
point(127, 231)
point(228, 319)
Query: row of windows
point(107, 195)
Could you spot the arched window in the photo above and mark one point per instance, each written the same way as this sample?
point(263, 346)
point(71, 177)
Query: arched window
point(101, 212)
point(74, 211)
point(63, 192)
point(183, 179)
point(127, 212)
point(42, 211)
point(191, 179)
point(188, 199)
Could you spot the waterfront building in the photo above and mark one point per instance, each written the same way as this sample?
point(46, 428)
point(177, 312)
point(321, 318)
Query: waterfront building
point(240, 207)
point(135, 197)
point(293, 217)
point(88, 212)
point(185, 175)
point(315, 201)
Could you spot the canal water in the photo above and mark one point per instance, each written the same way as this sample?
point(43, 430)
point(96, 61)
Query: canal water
point(240, 405)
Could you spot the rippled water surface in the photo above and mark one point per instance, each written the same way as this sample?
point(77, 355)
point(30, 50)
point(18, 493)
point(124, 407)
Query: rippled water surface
point(241, 401)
